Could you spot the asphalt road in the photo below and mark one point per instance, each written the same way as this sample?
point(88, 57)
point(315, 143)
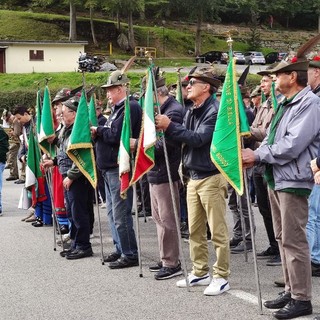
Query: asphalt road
point(36, 283)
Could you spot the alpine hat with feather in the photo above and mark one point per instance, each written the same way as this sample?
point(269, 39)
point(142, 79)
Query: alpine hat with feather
point(118, 77)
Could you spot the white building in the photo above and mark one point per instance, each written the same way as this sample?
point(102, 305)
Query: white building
point(39, 56)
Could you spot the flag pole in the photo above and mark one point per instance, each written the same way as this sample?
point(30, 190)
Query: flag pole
point(175, 210)
point(229, 41)
point(244, 177)
point(253, 239)
point(48, 180)
point(95, 190)
point(180, 87)
point(134, 188)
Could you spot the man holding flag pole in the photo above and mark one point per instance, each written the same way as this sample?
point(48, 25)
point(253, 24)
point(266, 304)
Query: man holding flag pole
point(107, 139)
point(207, 188)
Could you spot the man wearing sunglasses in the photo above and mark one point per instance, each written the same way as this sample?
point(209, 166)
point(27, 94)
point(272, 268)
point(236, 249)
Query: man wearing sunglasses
point(206, 187)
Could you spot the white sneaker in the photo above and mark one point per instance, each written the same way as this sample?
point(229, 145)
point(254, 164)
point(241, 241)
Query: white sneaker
point(103, 205)
point(194, 281)
point(216, 287)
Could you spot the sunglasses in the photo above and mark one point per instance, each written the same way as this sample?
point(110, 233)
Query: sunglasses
point(193, 82)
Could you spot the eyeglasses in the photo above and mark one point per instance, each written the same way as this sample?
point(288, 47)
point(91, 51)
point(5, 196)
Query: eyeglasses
point(193, 82)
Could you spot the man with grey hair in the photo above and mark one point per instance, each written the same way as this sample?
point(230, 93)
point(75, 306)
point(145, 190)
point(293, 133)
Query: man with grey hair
point(206, 188)
point(107, 138)
point(162, 207)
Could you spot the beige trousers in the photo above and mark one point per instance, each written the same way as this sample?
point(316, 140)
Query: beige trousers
point(206, 200)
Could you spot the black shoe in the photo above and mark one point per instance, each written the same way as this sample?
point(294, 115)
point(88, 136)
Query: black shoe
point(64, 229)
point(275, 261)
point(294, 309)
point(315, 268)
point(64, 253)
point(269, 253)
point(184, 230)
point(123, 263)
point(279, 283)
point(280, 302)
point(11, 178)
point(167, 273)
point(156, 267)
point(234, 242)
point(37, 224)
point(114, 256)
point(79, 253)
point(240, 247)
point(19, 181)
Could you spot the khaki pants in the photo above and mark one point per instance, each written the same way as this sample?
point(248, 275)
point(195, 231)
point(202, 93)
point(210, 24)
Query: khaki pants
point(12, 160)
point(163, 215)
point(290, 216)
point(206, 202)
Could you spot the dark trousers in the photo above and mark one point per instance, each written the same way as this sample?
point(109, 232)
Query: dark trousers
point(264, 206)
point(77, 204)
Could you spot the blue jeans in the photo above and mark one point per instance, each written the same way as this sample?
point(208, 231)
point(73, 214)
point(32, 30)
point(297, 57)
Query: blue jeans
point(2, 165)
point(119, 215)
point(313, 225)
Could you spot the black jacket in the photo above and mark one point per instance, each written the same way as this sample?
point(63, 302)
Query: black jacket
point(108, 136)
point(158, 174)
point(196, 133)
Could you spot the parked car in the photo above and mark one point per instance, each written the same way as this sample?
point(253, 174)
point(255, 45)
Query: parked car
point(211, 56)
point(254, 57)
point(272, 57)
point(239, 56)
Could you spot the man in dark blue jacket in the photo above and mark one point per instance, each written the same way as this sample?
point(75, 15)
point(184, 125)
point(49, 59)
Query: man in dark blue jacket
point(162, 207)
point(107, 140)
point(207, 188)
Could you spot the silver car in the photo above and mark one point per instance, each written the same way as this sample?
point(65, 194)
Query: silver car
point(254, 57)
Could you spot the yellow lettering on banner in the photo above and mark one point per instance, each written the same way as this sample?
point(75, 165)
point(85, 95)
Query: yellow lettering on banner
point(223, 161)
point(77, 155)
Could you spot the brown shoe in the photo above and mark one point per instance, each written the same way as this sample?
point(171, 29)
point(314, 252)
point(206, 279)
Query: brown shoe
point(31, 219)
point(30, 214)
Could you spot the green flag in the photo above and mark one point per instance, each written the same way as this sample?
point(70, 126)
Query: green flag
point(80, 149)
point(231, 123)
point(274, 100)
point(46, 125)
point(124, 151)
point(92, 113)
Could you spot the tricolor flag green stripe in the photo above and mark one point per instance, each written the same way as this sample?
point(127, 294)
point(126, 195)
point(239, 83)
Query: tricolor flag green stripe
point(46, 125)
point(124, 151)
point(92, 112)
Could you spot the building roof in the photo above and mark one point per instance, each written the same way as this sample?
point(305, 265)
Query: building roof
point(41, 42)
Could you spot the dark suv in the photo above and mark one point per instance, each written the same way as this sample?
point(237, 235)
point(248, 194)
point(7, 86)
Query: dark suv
point(211, 56)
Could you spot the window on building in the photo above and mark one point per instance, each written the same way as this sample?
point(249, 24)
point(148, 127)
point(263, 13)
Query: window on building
point(36, 55)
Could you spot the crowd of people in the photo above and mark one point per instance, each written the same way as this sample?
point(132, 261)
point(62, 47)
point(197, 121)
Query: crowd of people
point(282, 157)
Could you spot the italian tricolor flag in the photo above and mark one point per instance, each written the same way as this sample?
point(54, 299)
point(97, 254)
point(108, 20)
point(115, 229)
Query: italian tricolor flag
point(34, 177)
point(124, 151)
point(145, 153)
point(46, 129)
